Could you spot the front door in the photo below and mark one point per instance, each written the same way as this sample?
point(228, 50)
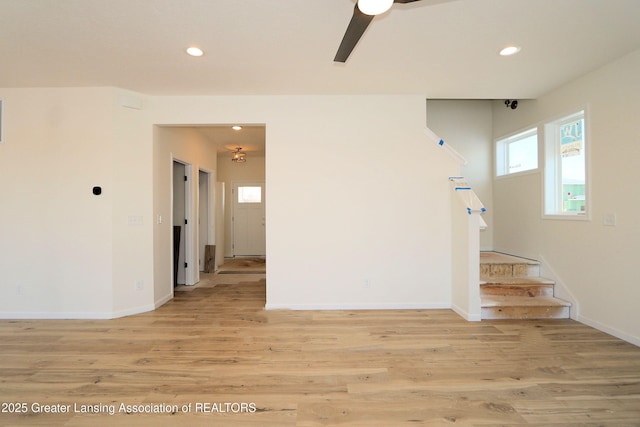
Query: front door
point(249, 219)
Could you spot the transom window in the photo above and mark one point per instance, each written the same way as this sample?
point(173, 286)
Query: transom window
point(249, 194)
point(517, 153)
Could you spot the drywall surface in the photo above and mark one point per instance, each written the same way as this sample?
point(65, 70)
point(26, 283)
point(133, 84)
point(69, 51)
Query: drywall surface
point(595, 261)
point(358, 203)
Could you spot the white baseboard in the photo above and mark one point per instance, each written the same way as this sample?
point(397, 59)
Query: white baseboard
point(56, 316)
point(84, 316)
point(162, 301)
point(302, 307)
point(465, 315)
point(609, 330)
point(561, 290)
point(133, 311)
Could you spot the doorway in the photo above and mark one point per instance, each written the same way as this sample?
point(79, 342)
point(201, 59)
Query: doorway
point(181, 197)
point(249, 237)
point(205, 223)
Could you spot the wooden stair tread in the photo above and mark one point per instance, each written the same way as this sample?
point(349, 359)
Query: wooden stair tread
point(518, 301)
point(499, 258)
point(516, 281)
point(511, 288)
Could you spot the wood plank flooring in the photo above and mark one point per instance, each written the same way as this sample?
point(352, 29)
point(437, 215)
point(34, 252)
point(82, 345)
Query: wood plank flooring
point(214, 357)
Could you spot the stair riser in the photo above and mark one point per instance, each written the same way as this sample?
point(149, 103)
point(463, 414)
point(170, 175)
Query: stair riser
point(512, 288)
point(509, 270)
point(521, 290)
point(505, 312)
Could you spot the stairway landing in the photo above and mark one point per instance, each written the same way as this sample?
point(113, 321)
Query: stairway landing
point(511, 288)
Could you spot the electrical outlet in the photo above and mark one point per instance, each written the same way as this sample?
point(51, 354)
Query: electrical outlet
point(367, 284)
point(139, 285)
point(20, 290)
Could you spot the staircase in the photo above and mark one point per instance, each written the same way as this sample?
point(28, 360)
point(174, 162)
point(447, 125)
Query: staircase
point(511, 288)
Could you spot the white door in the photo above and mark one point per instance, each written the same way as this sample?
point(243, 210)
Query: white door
point(179, 222)
point(248, 219)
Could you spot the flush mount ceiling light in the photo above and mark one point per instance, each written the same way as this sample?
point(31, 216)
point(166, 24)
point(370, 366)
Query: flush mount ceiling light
point(239, 156)
point(195, 51)
point(374, 7)
point(510, 50)
point(236, 127)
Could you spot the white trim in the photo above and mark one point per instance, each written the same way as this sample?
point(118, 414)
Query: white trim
point(500, 151)
point(581, 111)
point(162, 301)
point(79, 315)
point(453, 153)
point(190, 231)
point(610, 330)
point(465, 315)
point(334, 307)
point(561, 290)
point(567, 217)
point(56, 316)
point(135, 310)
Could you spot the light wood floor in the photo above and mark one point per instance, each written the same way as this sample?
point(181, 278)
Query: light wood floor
point(217, 345)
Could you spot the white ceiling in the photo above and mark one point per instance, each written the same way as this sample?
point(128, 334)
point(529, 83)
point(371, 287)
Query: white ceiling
point(436, 48)
point(251, 138)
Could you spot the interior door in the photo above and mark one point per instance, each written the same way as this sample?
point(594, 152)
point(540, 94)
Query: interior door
point(249, 219)
point(179, 223)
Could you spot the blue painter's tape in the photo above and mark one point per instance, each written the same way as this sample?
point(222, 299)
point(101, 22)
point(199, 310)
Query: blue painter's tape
point(483, 209)
point(469, 211)
point(441, 143)
point(463, 188)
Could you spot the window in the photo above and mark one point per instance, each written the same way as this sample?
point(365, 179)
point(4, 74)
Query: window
point(565, 182)
point(249, 194)
point(517, 153)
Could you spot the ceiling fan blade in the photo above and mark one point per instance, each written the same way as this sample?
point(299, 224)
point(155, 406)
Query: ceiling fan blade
point(358, 24)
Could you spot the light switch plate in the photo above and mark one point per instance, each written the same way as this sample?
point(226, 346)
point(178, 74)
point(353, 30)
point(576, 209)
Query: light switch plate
point(134, 220)
point(610, 219)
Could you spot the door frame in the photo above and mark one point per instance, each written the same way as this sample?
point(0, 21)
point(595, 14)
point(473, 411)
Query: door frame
point(234, 187)
point(209, 211)
point(189, 256)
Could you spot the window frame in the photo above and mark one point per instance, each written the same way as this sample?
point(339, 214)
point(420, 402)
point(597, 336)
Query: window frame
point(550, 179)
point(501, 152)
point(249, 201)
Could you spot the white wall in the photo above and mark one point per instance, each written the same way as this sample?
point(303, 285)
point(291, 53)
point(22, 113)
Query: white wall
point(363, 221)
point(228, 172)
point(351, 220)
point(64, 250)
point(190, 147)
point(467, 126)
point(596, 263)
point(131, 168)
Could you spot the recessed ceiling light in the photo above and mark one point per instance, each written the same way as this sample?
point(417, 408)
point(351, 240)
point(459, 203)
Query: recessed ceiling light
point(195, 51)
point(236, 127)
point(510, 50)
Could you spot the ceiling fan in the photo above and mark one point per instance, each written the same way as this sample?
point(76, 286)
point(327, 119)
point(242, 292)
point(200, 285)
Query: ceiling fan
point(363, 13)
